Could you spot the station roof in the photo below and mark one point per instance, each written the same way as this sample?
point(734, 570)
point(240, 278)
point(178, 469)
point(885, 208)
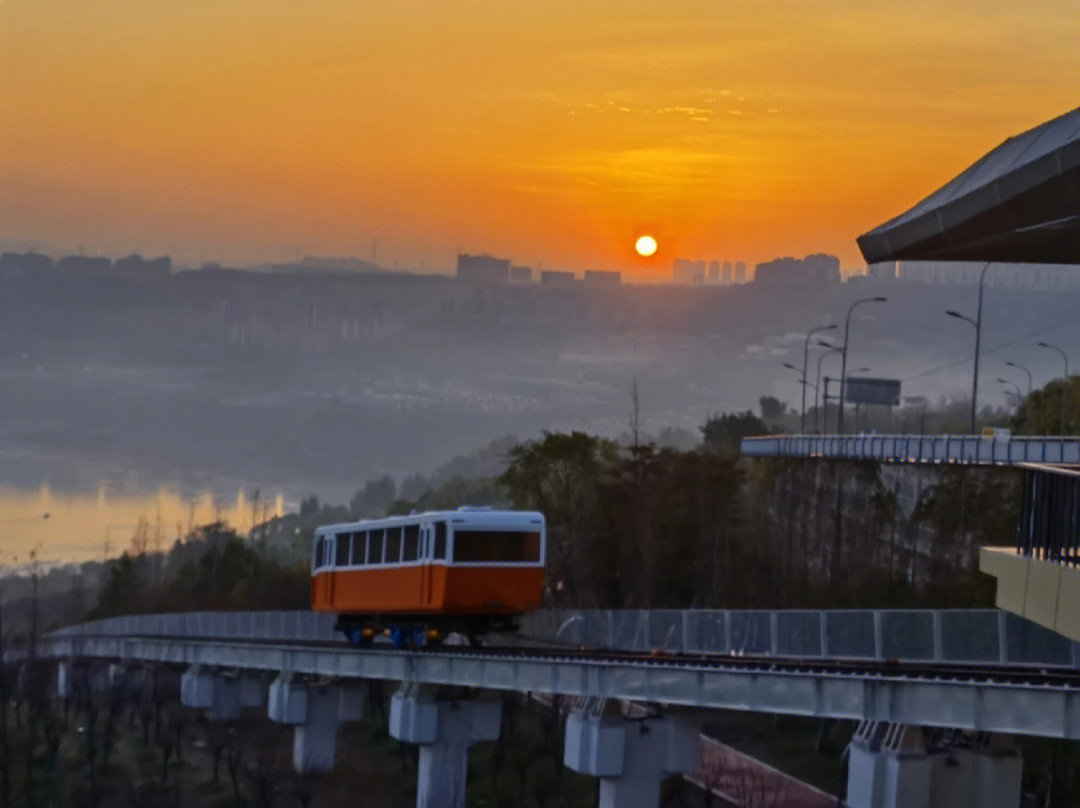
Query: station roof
point(1019, 203)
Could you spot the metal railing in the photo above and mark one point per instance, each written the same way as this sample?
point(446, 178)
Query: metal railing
point(1049, 526)
point(946, 635)
point(965, 449)
point(986, 636)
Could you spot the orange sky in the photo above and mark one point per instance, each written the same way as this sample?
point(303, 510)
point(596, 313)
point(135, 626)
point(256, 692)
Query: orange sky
point(550, 133)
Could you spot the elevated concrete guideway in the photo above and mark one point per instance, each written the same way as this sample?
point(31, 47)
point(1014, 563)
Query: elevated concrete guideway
point(961, 699)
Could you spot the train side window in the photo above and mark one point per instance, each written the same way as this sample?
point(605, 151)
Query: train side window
point(440, 542)
point(393, 545)
point(359, 546)
point(342, 556)
point(375, 546)
point(410, 547)
point(328, 549)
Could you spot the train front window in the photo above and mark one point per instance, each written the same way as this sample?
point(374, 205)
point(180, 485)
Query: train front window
point(497, 546)
point(342, 555)
point(316, 558)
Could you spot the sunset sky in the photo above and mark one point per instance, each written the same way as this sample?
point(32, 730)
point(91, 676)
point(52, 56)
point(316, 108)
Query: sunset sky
point(553, 133)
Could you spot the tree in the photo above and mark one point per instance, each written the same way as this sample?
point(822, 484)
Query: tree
point(123, 592)
point(772, 409)
point(724, 433)
point(559, 475)
point(374, 498)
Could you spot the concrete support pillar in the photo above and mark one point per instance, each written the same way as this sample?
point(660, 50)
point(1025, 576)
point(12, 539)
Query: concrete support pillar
point(999, 770)
point(866, 766)
point(215, 692)
point(630, 756)
point(315, 710)
point(444, 730)
point(889, 767)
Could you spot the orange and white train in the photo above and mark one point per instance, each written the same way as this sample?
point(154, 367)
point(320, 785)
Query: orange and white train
point(422, 576)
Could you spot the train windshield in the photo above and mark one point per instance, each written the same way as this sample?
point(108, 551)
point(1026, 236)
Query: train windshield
point(503, 546)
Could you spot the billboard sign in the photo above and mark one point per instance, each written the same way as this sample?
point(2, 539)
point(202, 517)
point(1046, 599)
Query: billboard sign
point(872, 391)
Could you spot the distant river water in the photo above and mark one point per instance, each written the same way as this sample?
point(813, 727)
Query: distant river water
point(76, 527)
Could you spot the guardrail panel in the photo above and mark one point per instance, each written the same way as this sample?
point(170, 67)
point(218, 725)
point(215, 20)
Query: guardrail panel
point(907, 634)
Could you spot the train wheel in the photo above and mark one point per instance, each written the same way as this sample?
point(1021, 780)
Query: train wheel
point(360, 636)
point(433, 638)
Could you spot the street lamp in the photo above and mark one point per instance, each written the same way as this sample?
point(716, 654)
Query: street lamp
point(1065, 385)
point(805, 356)
point(1014, 385)
point(1028, 372)
point(975, 375)
point(843, 354)
point(802, 378)
point(977, 322)
point(817, 389)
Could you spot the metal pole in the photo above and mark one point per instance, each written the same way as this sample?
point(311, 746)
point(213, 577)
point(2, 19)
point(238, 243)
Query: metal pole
point(978, 334)
point(817, 407)
point(1015, 386)
point(805, 357)
point(843, 362)
point(1028, 372)
point(1065, 381)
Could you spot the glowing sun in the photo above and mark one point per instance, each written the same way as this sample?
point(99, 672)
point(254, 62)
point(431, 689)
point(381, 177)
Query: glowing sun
point(645, 246)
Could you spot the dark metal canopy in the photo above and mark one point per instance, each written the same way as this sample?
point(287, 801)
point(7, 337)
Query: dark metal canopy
point(1019, 203)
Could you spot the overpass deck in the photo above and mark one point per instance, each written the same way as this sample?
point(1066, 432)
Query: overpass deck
point(932, 449)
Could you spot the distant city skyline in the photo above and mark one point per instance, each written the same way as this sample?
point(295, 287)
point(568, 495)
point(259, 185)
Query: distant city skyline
point(407, 133)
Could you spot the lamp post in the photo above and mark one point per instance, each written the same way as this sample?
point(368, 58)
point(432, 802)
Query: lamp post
point(975, 376)
point(1015, 386)
point(817, 390)
point(977, 322)
point(805, 357)
point(1065, 384)
point(1028, 372)
point(843, 354)
point(802, 378)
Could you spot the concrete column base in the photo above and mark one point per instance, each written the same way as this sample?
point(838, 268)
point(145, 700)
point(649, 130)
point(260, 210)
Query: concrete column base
point(444, 730)
point(315, 711)
point(631, 757)
point(889, 767)
point(214, 692)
